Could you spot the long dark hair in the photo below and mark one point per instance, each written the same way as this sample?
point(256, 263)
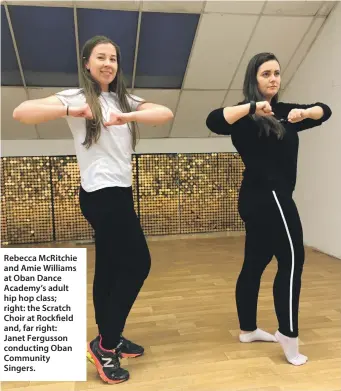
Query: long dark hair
point(251, 92)
point(92, 90)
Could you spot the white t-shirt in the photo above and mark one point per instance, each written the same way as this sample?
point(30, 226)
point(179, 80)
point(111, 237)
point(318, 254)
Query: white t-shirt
point(107, 163)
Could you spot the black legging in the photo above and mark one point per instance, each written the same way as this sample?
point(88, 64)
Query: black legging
point(273, 228)
point(122, 257)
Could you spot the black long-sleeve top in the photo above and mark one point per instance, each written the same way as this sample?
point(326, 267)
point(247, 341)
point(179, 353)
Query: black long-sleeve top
point(270, 163)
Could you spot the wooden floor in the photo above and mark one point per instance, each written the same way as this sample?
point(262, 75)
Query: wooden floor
point(186, 319)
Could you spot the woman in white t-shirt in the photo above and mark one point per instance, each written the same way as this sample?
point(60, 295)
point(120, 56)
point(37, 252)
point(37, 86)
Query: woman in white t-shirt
point(102, 117)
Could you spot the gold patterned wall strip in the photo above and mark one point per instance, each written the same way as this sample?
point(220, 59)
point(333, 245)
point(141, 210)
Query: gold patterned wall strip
point(173, 194)
point(230, 167)
point(26, 193)
point(208, 194)
point(69, 223)
point(4, 236)
point(158, 193)
point(134, 182)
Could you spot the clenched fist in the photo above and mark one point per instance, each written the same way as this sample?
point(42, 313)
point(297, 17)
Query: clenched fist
point(297, 115)
point(263, 109)
point(118, 119)
point(81, 111)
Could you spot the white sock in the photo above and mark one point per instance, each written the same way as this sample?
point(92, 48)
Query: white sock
point(290, 348)
point(257, 335)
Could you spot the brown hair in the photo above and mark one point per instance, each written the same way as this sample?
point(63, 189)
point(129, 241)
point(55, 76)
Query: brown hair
point(92, 90)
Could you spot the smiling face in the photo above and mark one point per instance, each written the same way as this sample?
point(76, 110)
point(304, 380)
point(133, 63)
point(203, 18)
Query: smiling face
point(103, 64)
point(269, 79)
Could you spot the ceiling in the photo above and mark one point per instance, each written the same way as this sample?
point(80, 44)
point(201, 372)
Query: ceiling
point(190, 56)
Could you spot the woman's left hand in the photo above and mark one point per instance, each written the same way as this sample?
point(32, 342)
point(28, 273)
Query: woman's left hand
point(297, 115)
point(118, 119)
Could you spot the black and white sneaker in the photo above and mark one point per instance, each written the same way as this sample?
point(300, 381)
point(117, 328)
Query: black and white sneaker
point(129, 348)
point(107, 362)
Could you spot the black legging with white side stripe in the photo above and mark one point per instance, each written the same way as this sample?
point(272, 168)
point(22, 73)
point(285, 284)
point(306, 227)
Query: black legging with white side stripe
point(273, 228)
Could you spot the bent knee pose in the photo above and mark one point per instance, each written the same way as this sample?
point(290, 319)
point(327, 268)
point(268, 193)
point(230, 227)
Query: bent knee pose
point(265, 133)
point(102, 117)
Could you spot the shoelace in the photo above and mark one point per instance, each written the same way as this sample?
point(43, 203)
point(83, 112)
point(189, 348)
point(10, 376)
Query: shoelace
point(118, 350)
point(124, 341)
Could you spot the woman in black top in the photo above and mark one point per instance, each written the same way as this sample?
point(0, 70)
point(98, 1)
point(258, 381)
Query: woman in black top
point(264, 132)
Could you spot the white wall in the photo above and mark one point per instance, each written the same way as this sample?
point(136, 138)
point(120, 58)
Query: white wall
point(66, 147)
point(318, 191)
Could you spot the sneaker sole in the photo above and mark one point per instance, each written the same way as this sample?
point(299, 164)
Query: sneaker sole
point(131, 355)
point(89, 357)
point(93, 359)
point(124, 355)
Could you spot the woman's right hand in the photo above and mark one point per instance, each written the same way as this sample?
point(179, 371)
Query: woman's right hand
point(81, 111)
point(263, 109)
